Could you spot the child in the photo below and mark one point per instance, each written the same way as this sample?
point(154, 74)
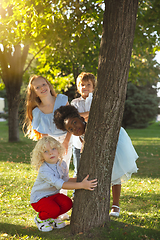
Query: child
point(41, 103)
point(68, 118)
point(52, 176)
point(85, 85)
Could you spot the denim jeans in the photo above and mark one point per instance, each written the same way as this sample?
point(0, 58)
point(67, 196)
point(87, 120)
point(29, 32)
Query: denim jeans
point(76, 159)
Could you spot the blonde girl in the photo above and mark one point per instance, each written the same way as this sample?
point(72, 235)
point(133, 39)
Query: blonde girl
point(47, 157)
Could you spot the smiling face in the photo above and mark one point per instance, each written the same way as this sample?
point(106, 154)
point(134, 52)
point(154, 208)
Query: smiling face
point(50, 154)
point(85, 87)
point(75, 125)
point(40, 87)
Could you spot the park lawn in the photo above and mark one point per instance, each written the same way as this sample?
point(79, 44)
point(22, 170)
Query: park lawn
point(140, 197)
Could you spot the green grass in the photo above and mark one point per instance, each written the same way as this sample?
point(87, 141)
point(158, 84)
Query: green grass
point(140, 197)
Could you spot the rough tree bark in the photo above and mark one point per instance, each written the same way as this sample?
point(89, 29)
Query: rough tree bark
point(91, 209)
point(12, 64)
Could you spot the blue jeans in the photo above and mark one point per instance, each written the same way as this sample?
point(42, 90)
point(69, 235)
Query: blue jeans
point(76, 159)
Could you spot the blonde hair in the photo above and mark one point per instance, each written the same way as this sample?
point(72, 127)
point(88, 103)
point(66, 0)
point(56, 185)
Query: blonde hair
point(36, 155)
point(84, 76)
point(32, 101)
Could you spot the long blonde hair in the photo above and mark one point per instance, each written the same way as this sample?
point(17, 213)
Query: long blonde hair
point(32, 101)
point(36, 155)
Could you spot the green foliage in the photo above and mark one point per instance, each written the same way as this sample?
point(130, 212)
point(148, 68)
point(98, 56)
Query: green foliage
point(76, 38)
point(60, 81)
point(22, 22)
point(2, 86)
point(141, 106)
point(143, 67)
point(140, 215)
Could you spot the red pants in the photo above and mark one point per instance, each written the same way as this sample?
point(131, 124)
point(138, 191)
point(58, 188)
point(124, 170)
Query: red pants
point(52, 206)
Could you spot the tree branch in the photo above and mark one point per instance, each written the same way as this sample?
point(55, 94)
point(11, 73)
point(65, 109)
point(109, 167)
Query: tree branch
point(24, 55)
point(33, 59)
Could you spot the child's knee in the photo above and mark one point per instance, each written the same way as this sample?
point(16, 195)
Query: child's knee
point(66, 202)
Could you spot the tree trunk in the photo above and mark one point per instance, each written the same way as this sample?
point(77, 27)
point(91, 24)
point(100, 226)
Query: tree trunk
point(12, 64)
point(13, 98)
point(91, 208)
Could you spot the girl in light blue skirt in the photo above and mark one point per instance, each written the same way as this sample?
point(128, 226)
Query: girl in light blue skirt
point(68, 118)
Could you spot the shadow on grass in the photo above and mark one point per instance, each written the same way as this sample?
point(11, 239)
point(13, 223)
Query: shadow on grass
point(117, 230)
point(122, 231)
point(19, 231)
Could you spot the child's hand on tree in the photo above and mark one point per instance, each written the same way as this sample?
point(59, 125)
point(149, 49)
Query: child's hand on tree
point(89, 184)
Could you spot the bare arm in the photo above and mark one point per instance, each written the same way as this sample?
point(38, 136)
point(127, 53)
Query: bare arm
point(66, 141)
point(85, 184)
point(67, 138)
point(72, 180)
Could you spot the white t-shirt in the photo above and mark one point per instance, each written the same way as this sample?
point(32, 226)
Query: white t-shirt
point(82, 105)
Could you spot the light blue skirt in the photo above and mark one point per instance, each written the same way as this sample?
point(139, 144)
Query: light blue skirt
point(125, 159)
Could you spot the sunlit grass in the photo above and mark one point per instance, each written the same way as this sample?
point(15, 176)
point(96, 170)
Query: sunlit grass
point(140, 197)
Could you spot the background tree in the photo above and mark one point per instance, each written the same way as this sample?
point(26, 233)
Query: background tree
point(141, 106)
point(143, 68)
point(91, 208)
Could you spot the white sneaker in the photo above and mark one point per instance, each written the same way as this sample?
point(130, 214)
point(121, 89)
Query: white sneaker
point(56, 223)
point(43, 225)
point(64, 216)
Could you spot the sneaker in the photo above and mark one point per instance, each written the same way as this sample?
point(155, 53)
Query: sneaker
point(64, 216)
point(56, 223)
point(43, 225)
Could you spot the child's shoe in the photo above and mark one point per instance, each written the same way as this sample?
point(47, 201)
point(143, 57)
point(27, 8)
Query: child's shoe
point(115, 214)
point(56, 223)
point(43, 225)
point(64, 216)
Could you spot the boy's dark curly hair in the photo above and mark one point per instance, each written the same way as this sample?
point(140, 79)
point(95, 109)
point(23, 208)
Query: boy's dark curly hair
point(62, 114)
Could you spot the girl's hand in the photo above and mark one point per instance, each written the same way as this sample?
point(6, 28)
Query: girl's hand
point(89, 184)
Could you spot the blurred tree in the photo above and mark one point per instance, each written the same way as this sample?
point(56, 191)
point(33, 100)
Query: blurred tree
point(144, 68)
point(141, 106)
